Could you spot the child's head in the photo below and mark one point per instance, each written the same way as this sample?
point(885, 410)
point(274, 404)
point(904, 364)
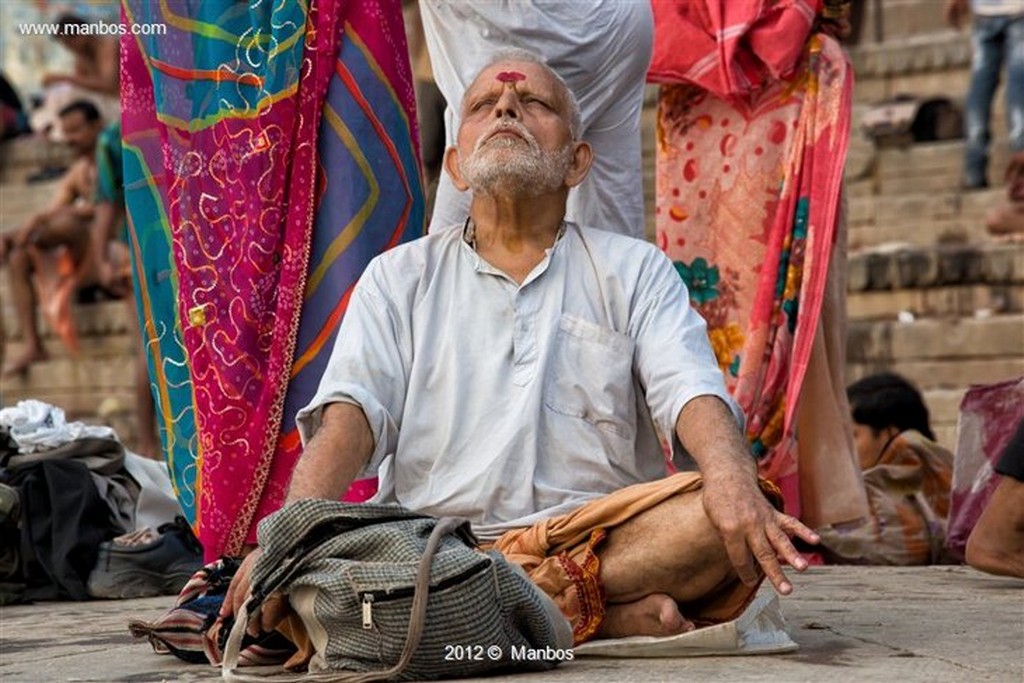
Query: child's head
point(883, 405)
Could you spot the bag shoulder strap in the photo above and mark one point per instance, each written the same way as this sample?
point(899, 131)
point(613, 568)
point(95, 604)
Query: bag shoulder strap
point(417, 621)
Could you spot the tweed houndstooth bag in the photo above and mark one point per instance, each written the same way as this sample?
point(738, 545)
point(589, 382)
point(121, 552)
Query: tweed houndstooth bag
point(386, 594)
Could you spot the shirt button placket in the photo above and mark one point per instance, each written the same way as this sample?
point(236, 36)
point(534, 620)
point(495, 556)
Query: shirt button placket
point(522, 342)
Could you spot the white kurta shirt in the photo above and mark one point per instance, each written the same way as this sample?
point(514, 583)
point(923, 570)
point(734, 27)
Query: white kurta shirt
point(506, 403)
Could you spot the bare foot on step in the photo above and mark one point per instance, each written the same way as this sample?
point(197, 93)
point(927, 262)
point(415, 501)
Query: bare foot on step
point(20, 365)
point(654, 615)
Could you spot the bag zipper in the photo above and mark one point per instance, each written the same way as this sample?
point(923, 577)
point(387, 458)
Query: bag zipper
point(389, 595)
point(367, 611)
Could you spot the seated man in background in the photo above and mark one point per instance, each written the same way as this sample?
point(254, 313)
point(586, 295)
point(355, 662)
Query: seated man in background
point(64, 223)
point(97, 57)
point(907, 476)
point(517, 372)
point(96, 75)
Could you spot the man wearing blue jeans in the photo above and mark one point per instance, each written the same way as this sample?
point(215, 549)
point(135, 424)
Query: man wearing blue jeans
point(997, 35)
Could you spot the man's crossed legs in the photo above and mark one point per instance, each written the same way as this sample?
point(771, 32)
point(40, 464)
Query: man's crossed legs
point(644, 560)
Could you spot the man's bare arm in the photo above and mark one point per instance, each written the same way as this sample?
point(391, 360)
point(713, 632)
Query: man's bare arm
point(334, 456)
point(106, 218)
point(101, 73)
point(329, 464)
point(751, 528)
point(67, 190)
point(100, 83)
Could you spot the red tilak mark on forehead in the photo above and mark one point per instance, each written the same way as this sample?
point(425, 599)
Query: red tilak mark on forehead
point(510, 77)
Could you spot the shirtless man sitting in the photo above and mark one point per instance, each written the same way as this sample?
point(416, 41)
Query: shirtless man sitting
point(65, 222)
point(97, 58)
point(517, 371)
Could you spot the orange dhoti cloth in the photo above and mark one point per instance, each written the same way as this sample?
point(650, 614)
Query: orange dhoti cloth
point(560, 554)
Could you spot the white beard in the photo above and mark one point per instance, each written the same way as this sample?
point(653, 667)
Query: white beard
point(508, 166)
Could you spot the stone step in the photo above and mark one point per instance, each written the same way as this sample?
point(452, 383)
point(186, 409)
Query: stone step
point(78, 404)
point(942, 374)
point(18, 201)
point(908, 267)
point(936, 302)
point(943, 413)
point(925, 160)
point(92, 320)
point(89, 347)
point(951, 339)
point(945, 435)
point(944, 404)
point(939, 231)
point(93, 389)
point(887, 209)
point(84, 374)
point(929, 46)
point(931, 166)
point(913, 195)
point(901, 19)
point(861, 187)
point(32, 150)
point(921, 158)
point(26, 155)
point(951, 83)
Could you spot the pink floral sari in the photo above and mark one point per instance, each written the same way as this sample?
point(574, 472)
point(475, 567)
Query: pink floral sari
point(752, 135)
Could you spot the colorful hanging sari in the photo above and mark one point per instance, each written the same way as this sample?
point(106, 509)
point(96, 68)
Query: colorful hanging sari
point(753, 127)
point(270, 153)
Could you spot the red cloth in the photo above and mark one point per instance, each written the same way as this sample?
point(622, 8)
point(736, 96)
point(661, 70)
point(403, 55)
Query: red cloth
point(727, 47)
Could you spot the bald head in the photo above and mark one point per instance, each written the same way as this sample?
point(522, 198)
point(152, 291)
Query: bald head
point(505, 67)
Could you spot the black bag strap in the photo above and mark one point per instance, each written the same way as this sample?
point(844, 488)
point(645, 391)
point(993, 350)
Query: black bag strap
point(417, 621)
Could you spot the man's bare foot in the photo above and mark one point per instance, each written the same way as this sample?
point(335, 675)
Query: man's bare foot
point(1006, 220)
point(21, 364)
point(654, 615)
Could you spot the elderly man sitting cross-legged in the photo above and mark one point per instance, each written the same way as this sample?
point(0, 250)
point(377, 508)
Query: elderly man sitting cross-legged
point(517, 371)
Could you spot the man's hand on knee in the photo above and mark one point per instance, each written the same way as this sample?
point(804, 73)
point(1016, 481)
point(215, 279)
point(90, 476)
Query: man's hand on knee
point(755, 534)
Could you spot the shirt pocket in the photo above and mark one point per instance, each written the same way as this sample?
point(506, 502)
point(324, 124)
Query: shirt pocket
point(590, 376)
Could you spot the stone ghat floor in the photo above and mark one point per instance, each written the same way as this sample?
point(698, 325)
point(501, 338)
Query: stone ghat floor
point(852, 624)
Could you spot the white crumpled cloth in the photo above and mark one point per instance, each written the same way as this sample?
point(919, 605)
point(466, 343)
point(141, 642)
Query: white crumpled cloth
point(760, 630)
point(36, 426)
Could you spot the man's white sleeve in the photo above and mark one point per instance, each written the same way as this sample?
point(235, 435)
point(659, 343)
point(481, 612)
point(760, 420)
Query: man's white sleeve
point(368, 368)
point(674, 358)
